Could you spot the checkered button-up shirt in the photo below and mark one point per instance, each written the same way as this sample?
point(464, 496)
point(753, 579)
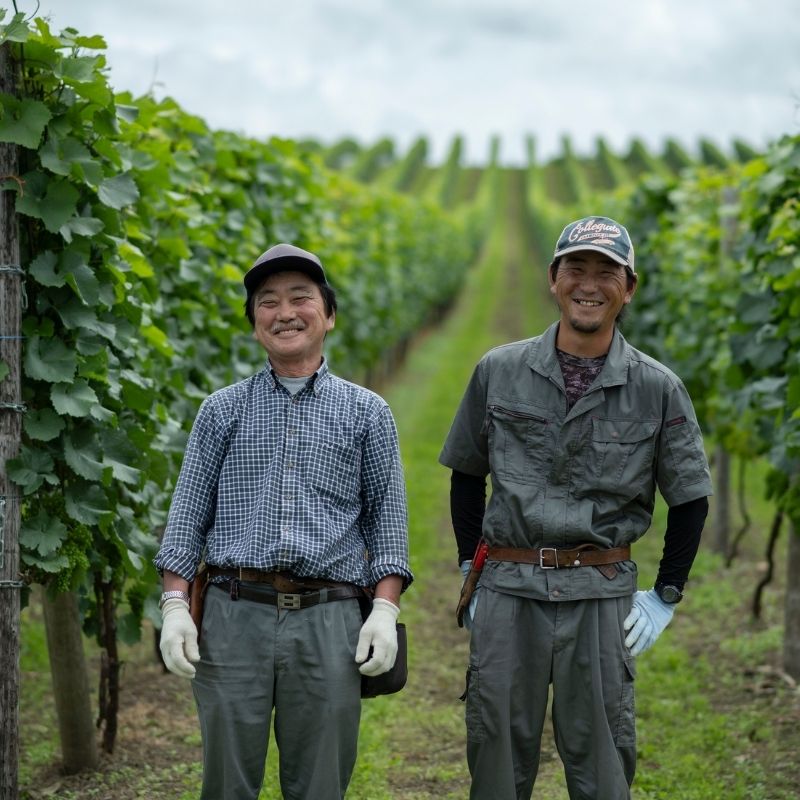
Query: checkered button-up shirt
point(310, 483)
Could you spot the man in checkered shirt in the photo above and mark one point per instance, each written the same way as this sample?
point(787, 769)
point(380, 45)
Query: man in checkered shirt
point(292, 492)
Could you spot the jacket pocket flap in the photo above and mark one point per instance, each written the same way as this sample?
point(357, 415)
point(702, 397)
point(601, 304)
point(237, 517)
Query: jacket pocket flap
point(622, 431)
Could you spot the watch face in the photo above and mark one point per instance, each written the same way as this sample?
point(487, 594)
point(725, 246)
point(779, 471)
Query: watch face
point(669, 594)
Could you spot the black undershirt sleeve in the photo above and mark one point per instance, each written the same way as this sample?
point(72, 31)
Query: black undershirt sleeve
point(681, 541)
point(467, 507)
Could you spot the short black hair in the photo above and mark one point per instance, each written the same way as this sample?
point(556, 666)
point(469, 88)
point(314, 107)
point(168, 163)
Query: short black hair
point(326, 290)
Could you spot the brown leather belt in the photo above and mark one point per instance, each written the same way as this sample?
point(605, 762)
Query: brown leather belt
point(281, 581)
point(585, 555)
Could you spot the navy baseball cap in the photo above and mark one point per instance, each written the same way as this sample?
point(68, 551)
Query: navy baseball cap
point(601, 234)
point(283, 258)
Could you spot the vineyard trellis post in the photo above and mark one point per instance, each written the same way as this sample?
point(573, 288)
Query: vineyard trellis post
point(722, 459)
point(10, 431)
point(791, 633)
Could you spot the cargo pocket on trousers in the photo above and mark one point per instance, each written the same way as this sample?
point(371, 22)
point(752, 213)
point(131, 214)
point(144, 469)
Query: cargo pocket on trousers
point(474, 714)
point(626, 724)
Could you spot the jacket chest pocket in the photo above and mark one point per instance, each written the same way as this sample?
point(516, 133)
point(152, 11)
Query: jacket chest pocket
point(623, 452)
point(520, 444)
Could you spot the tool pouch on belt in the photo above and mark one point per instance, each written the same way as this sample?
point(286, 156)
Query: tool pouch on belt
point(197, 596)
point(395, 679)
point(471, 581)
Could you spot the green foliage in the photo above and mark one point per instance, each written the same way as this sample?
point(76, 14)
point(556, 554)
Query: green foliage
point(719, 301)
point(137, 223)
point(711, 155)
point(675, 157)
point(744, 151)
point(410, 166)
point(373, 160)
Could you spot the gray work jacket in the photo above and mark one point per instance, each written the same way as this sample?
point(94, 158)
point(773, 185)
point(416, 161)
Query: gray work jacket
point(560, 479)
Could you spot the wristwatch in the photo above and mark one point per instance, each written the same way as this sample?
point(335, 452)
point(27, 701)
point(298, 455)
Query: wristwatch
point(176, 593)
point(669, 594)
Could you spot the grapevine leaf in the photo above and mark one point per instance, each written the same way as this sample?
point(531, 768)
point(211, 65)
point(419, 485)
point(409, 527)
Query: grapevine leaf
point(95, 42)
point(86, 502)
point(16, 30)
point(127, 112)
point(80, 277)
point(43, 268)
point(49, 360)
point(23, 121)
point(75, 399)
point(30, 469)
point(118, 192)
point(137, 393)
point(80, 69)
point(51, 564)
point(54, 207)
point(43, 533)
point(82, 454)
point(134, 257)
point(43, 424)
point(75, 314)
point(81, 226)
point(58, 155)
point(119, 454)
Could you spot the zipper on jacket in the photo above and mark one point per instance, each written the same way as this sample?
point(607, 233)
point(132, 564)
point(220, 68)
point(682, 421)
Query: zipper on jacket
point(518, 414)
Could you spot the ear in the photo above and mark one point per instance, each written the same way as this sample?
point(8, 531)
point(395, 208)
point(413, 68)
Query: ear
point(330, 322)
point(633, 282)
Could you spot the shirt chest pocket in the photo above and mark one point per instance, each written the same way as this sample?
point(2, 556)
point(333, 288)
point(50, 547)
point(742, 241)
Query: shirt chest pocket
point(623, 452)
point(335, 471)
point(520, 444)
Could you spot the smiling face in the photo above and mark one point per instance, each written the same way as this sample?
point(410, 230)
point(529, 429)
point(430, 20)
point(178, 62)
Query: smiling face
point(590, 289)
point(291, 322)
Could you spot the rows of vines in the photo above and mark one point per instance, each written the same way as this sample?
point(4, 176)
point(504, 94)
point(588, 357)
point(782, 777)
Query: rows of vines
point(137, 223)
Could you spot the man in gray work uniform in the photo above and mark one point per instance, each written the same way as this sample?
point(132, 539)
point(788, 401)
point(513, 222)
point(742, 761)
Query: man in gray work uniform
point(577, 429)
point(292, 492)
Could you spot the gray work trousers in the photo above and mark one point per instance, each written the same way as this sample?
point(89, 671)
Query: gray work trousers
point(301, 663)
point(518, 647)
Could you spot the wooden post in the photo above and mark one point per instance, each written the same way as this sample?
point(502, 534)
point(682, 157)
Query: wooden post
point(10, 431)
point(722, 478)
point(722, 500)
point(70, 681)
point(791, 628)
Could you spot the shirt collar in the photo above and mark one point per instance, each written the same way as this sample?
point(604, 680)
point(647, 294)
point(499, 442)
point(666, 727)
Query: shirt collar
point(318, 379)
point(543, 359)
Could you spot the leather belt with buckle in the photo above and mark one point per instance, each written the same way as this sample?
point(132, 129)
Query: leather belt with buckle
point(585, 555)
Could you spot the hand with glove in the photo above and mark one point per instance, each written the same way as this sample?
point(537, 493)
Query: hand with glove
point(647, 620)
point(378, 633)
point(469, 614)
point(178, 638)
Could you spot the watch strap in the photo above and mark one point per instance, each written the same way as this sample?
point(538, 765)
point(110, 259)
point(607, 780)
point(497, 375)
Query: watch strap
point(173, 594)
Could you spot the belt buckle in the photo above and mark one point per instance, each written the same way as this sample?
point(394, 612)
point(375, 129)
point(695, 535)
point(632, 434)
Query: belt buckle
point(542, 551)
point(289, 601)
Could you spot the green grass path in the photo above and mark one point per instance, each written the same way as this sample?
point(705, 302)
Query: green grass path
point(695, 725)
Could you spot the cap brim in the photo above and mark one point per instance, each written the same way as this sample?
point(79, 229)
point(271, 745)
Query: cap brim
point(290, 263)
point(575, 248)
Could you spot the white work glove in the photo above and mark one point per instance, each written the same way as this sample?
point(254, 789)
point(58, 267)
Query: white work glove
point(647, 620)
point(379, 632)
point(178, 638)
point(469, 614)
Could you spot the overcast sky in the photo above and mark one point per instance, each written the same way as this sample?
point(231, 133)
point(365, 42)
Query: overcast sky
point(404, 68)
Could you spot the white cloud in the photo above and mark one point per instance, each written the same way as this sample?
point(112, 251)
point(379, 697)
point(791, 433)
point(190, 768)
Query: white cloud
point(368, 68)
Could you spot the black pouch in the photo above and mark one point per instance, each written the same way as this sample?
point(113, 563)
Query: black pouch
point(395, 679)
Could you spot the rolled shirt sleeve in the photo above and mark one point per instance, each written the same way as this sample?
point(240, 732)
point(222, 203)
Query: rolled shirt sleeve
point(384, 520)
